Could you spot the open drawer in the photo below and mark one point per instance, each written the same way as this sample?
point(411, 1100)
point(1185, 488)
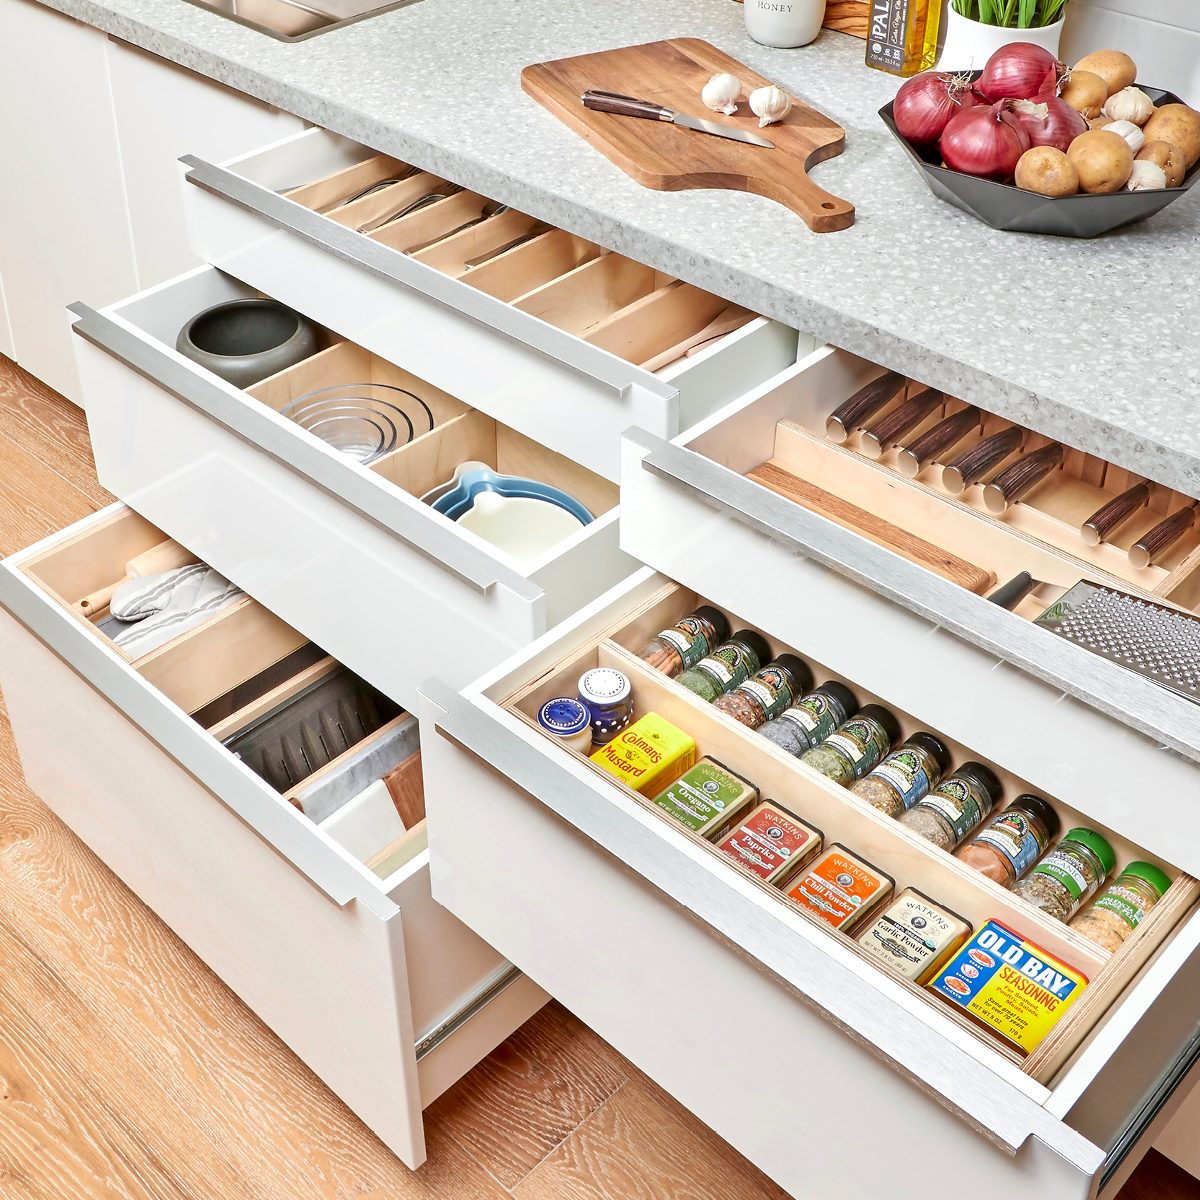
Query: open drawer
point(540, 329)
point(749, 1010)
point(309, 898)
point(347, 553)
point(1090, 731)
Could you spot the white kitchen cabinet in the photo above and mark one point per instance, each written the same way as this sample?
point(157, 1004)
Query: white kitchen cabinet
point(6, 342)
point(64, 226)
point(162, 112)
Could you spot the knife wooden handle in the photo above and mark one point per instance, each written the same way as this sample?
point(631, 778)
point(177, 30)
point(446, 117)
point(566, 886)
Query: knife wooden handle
point(1164, 535)
point(1105, 520)
point(625, 106)
point(1024, 475)
point(862, 406)
point(876, 529)
point(936, 441)
point(894, 425)
point(967, 468)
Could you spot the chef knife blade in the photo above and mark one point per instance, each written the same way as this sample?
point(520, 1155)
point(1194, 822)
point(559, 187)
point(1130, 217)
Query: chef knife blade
point(630, 106)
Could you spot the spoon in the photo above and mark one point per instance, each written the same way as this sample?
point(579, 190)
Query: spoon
point(491, 208)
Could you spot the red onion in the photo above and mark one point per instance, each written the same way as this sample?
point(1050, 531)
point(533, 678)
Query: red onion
point(926, 102)
point(1020, 71)
point(985, 141)
point(1050, 121)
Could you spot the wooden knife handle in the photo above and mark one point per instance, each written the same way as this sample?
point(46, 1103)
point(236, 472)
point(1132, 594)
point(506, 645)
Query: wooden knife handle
point(862, 406)
point(1010, 485)
point(1105, 520)
point(625, 106)
point(980, 459)
point(892, 427)
point(1164, 535)
point(936, 441)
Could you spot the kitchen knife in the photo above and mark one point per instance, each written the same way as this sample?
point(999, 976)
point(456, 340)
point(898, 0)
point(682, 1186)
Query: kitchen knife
point(862, 406)
point(972, 466)
point(942, 437)
point(892, 427)
point(1117, 511)
point(630, 106)
point(1009, 595)
point(1023, 476)
point(1164, 535)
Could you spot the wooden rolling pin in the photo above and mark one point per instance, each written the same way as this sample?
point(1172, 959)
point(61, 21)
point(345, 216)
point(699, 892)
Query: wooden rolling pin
point(876, 529)
point(166, 556)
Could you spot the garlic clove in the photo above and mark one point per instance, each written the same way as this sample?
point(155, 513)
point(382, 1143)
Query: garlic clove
point(1129, 104)
point(1147, 177)
point(1130, 132)
point(770, 104)
point(721, 93)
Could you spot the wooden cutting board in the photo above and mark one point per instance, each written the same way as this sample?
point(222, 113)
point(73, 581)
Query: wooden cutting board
point(667, 158)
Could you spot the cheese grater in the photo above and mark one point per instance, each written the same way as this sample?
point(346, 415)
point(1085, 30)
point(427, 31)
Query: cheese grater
point(1152, 640)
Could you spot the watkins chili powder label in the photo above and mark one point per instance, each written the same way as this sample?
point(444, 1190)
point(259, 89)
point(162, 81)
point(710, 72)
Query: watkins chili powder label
point(839, 888)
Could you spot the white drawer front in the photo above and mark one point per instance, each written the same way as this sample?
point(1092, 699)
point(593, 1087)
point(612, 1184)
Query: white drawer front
point(352, 972)
point(534, 377)
point(734, 1003)
point(362, 568)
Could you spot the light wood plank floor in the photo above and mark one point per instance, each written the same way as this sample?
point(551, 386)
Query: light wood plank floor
point(127, 1071)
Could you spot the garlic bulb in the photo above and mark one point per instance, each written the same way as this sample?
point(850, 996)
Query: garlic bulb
point(1129, 104)
point(1147, 177)
point(770, 104)
point(721, 93)
point(1129, 131)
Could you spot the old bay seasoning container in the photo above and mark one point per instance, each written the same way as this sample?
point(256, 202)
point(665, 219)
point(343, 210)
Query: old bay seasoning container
point(840, 888)
point(1009, 985)
point(706, 796)
point(771, 843)
point(914, 936)
point(647, 754)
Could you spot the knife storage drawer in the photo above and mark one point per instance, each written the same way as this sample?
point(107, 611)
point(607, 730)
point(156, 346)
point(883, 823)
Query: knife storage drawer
point(346, 552)
point(520, 320)
point(352, 965)
point(567, 871)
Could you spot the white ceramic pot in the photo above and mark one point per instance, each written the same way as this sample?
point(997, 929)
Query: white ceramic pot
point(969, 44)
point(784, 23)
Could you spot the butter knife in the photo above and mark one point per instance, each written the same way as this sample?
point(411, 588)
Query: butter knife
point(630, 106)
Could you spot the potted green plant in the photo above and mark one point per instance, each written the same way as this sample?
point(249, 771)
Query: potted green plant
point(977, 28)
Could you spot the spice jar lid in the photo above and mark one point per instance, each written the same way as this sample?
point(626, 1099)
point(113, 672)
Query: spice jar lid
point(602, 687)
point(717, 619)
point(799, 670)
point(1157, 879)
point(841, 695)
point(881, 716)
point(984, 778)
point(1096, 844)
point(935, 746)
point(1041, 810)
point(755, 642)
point(564, 716)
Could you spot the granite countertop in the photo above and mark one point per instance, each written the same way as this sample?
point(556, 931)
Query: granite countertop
point(1049, 332)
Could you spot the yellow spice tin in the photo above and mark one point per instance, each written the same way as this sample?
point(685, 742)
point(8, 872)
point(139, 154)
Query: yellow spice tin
point(648, 754)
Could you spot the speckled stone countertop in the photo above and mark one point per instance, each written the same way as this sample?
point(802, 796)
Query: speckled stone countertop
point(1090, 342)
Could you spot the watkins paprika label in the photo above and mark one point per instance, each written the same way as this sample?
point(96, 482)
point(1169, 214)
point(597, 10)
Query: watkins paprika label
point(770, 841)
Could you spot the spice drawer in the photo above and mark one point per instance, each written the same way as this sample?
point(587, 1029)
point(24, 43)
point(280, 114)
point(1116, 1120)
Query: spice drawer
point(348, 554)
point(378, 989)
point(631, 920)
point(1078, 726)
point(534, 336)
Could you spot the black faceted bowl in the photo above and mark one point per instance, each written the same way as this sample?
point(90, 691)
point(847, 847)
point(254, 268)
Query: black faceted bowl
point(1006, 206)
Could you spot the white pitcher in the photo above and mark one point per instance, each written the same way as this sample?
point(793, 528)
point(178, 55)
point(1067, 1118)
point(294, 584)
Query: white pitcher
point(784, 22)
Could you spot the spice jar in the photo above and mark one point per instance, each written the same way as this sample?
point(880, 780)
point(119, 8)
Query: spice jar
point(608, 695)
point(811, 720)
point(1070, 875)
point(727, 666)
point(856, 745)
point(1013, 840)
point(569, 720)
point(952, 809)
point(1122, 905)
point(768, 692)
point(905, 776)
point(687, 641)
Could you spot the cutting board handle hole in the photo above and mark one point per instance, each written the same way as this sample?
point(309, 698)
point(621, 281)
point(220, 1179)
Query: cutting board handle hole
point(829, 204)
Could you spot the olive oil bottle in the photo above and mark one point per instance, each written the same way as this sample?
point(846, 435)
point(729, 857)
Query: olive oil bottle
point(902, 35)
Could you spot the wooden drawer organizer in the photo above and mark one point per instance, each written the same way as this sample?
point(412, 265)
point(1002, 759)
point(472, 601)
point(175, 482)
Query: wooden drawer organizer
point(639, 314)
point(1038, 533)
point(843, 817)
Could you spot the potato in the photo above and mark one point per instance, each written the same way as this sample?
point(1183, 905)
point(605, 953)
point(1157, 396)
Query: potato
point(1085, 93)
point(1102, 160)
point(1099, 122)
point(1179, 125)
point(1169, 157)
point(1116, 69)
point(1047, 171)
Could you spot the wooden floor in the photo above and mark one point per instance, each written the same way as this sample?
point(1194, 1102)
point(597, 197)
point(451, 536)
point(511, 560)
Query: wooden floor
point(128, 1071)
